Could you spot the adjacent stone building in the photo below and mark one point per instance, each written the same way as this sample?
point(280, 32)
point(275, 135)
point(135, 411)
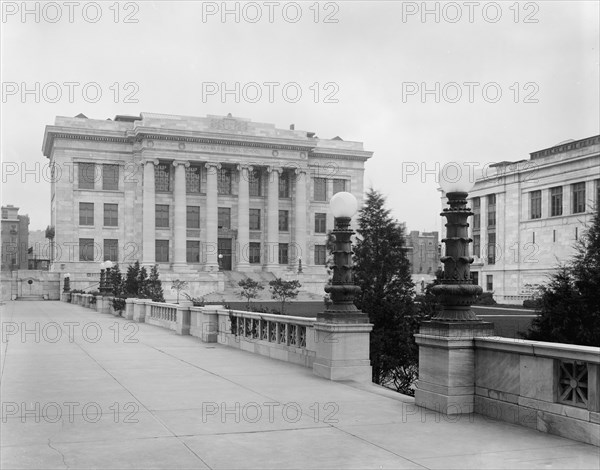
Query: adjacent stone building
point(423, 252)
point(529, 214)
point(195, 195)
point(15, 239)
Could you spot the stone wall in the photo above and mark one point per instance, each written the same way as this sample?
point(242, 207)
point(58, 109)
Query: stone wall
point(532, 384)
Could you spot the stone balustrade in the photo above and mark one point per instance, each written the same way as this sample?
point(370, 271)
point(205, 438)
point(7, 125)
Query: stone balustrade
point(551, 387)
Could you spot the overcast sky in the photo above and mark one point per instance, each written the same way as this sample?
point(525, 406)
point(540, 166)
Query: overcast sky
point(371, 62)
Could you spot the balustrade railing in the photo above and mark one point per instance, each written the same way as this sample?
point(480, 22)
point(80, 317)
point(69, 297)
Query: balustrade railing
point(163, 312)
point(277, 329)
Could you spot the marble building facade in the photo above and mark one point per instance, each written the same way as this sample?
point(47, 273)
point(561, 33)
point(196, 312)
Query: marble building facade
point(529, 214)
point(195, 195)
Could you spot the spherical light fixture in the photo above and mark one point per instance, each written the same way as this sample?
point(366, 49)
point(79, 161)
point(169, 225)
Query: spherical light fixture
point(109, 264)
point(457, 177)
point(66, 275)
point(343, 205)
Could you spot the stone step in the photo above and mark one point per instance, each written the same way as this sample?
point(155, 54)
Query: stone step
point(31, 298)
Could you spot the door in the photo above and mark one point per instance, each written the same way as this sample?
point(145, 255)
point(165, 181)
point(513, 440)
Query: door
point(224, 245)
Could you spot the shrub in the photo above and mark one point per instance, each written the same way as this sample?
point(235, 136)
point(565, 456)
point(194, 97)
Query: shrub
point(118, 304)
point(532, 303)
point(486, 298)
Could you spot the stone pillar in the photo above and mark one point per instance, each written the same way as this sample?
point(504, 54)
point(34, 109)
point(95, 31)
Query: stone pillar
point(179, 260)
point(148, 214)
point(300, 217)
point(243, 238)
point(211, 211)
point(271, 261)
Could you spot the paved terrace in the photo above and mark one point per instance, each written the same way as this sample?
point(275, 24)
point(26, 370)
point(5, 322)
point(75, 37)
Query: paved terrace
point(169, 401)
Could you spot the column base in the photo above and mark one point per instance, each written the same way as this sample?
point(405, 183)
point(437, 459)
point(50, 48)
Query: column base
point(211, 268)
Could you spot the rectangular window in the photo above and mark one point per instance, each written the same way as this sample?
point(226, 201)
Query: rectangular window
point(284, 217)
point(255, 182)
point(320, 222)
point(224, 217)
point(477, 246)
point(254, 219)
point(320, 189)
point(193, 217)
point(535, 204)
point(86, 213)
point(339, 186)
point(554, 235)
point(86, 249)
point(87, 175)
point(110, 177)
point(476, 214)
point(556, 201)
point(283, 253)
point(578, 196)
point(320, 254)
point(192, 179)
point(284, 185)
point(111, 215)
point(254, 253)
point(224, 181)
point(111, 250)
point(489, 285)
point(162, 251)
point(162, 177)
point(475, 278)
point(192, 251)
point(491, 248)
point(491, 210)
point(162, 215)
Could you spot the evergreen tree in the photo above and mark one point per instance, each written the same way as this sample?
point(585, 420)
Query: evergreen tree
point(570, 302)
point(131, 280)
point(142, 284)
point(154, 285)
point(382, 270)
point(116, 281)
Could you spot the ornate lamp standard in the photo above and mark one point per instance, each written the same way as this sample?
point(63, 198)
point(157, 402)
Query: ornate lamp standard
point(342, 290)
point(220, 257)
point(447, 342)
point(67, 282)
point(456, 293)
point(105, 281)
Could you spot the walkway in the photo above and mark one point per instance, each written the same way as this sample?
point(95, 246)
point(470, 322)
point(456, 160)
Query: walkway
point(101, 392)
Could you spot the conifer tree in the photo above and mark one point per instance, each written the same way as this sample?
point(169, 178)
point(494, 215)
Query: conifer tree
point(155, 290)
point(382, 270)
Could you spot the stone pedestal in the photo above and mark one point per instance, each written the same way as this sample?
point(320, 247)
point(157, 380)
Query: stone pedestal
point(139, 311)
point(103, 304)
point(129, 308)
point(342, 351)
point(447, 365)
point(183, 319)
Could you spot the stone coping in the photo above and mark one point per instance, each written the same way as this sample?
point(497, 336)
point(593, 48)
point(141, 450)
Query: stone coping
point(269, 316)
point(588, 354)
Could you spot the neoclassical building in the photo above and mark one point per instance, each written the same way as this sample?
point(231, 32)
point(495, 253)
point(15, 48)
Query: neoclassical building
point(195, 195)
point(529, 214)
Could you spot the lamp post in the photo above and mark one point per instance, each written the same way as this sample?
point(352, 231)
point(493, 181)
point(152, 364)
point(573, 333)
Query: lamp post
point(108, 280)
point(102, 286)
point(456, 292)
point(342, 290)
point(67, 282)
point(220, 257)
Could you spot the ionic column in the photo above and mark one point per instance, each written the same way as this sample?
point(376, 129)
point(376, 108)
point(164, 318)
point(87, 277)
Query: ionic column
point(211, 219)
point(300, 217)
point(243, 238)
point(180, 212)
point(271, 250)
point(148, 214)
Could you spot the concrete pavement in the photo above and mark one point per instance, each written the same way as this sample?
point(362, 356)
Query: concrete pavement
point(85, 390)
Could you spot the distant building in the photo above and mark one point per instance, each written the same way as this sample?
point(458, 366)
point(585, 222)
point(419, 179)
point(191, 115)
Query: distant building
point(423, 252)
point(529, 214)
point(39, 250)
point(195, 195)
point(15, 235)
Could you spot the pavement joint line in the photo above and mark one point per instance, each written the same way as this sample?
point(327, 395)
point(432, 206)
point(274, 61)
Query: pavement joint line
point(144, 438)
point(381, 447)
point(194, 453)
point(60, 453)
point(261, 431)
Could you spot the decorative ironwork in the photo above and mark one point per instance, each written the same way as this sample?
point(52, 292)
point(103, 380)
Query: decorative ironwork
point(292, 340)
point(264, 330)
point(272, 332)
point(282, 335)
point(302, 336)
point(573, 383)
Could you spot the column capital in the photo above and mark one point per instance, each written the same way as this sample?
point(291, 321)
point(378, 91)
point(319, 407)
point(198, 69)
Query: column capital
point(154, 161)
point(184, 163)
point(278, 169)
point(299, 171)
point(241, 167)
point(208, 165)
